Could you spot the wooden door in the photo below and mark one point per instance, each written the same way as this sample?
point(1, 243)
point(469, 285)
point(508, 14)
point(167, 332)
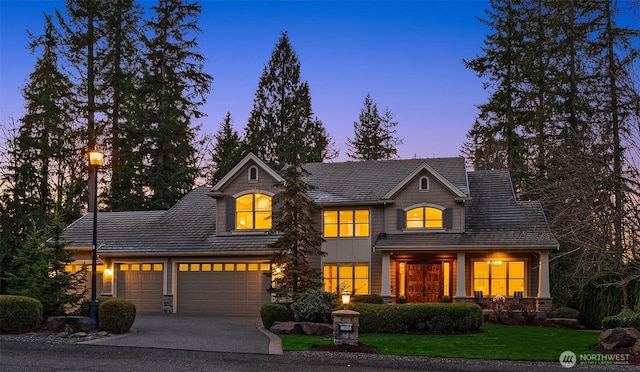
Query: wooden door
point(433, 282)
point(424, 282)
point(415, 283)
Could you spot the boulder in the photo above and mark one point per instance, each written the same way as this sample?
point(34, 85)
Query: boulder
point(563, 323)
point(317, 329)
point(286, 328)
point(70, 324)
point(617, 338)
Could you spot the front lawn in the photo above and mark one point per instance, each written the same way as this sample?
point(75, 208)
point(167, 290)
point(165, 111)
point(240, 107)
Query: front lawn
point(500, 342)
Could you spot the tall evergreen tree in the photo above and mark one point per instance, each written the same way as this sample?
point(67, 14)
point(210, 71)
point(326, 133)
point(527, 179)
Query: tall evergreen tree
point(227, 151)
point(41, 154)
point(120, 65)
point(374, 134)
point(282, 110)
point(174, 88)
point(299, 246)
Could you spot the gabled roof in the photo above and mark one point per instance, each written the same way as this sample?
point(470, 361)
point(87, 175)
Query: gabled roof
point(251, 157)
point(367, 181)
point(494, 219)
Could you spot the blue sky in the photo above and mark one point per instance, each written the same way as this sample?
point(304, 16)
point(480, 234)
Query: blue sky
point(408, 55)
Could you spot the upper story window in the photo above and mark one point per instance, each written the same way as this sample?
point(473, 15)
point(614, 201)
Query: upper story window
point(253, 174)
point(424, 184)
point(424, 218)
point(253, 212)
point(346, 223)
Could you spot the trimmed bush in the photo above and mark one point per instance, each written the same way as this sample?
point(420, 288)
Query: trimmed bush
point(19, 314)
point(313, 306)
point(271, 313)
point(84, 305)
point(565, 312)
point(429, 318)
point(116, 315)
point(625, 319)
point(368, 299)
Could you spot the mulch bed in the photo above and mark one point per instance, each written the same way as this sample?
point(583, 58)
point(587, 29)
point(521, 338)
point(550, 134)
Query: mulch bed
point(361, 348)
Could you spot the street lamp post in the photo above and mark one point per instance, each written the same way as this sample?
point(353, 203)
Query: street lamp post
point(95, 159)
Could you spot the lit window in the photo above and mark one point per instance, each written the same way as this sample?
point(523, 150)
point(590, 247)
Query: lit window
point(424, 218)
point(498, 277)
point(253, 211)
point(346, 223)
point(352, 277)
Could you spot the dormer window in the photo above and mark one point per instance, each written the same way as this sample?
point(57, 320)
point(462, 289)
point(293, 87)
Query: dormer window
point(253, 174)
point(253, 212)
point(424, 218)
point(424, 184)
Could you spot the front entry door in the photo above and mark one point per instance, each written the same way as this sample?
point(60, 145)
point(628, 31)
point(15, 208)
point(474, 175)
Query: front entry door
point(424, 282)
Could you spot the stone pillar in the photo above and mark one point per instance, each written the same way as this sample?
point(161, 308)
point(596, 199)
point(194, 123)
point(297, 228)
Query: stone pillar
point(385, 292)
point(346, 324)
point(461, 287)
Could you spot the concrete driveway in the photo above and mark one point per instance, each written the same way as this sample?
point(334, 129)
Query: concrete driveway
point(204, 333)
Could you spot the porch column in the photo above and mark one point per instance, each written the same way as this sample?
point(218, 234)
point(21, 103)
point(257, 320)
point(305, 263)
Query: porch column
point(461, 287)
point(385, 290)
point(543, 280)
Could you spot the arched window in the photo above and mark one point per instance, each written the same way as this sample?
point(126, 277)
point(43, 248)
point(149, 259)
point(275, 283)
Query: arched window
point(253, 174)
point(424, 184)
point(424, 218)
point(253, 212)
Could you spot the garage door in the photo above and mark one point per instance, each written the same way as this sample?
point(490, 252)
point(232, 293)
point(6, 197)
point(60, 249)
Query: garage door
point(141, 283)
point(226, 289)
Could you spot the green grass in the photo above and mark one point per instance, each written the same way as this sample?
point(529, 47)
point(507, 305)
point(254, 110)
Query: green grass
point(497, 342)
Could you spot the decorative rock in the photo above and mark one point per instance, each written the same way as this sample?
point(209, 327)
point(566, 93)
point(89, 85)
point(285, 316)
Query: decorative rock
point(79, 334)
point(636, 348)
point(103, 334)
point(617, 338)
point(317, 329)
point(286, 328)
point(69, 324)
point(564, 323)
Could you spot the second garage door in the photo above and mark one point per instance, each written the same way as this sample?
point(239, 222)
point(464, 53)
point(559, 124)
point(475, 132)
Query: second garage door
point(141, 283)
point(224, 289)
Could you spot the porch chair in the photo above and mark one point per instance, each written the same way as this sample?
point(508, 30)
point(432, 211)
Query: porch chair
point(480, 299)
point(516, 302)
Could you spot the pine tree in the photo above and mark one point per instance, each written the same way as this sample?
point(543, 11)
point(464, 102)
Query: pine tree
point(300, 241)
point(374, 134)
point(120, 64)
point(174, 87)
point(227, 151)
point(282, 111)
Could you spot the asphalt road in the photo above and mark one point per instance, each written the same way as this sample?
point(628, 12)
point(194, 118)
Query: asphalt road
point(33, 357)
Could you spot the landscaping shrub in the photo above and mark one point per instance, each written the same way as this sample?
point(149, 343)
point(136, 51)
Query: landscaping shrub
point(116, 315)
point(84, 305)
point(313, 306)
point(626, 318)
point(565, 312)
point(432, 318)
point(597, 300)
point(271, 313)
point(19, 314)
point(368, 299)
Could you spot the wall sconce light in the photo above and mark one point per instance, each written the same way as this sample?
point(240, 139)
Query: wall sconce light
point(108, 272)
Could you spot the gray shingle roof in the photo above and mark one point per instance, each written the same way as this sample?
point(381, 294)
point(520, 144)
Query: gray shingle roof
point(494, 219)
point(371, 180)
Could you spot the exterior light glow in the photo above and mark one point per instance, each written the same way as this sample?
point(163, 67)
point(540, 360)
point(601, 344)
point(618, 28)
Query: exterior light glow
point(96, 158)
point(346, 298)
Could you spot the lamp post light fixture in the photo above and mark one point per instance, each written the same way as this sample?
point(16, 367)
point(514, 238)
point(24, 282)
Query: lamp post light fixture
point(346, 298)
point(96, 159)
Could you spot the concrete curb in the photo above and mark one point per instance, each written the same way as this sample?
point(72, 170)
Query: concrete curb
point(275, 342)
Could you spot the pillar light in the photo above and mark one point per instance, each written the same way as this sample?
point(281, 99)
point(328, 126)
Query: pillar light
point(346, 298)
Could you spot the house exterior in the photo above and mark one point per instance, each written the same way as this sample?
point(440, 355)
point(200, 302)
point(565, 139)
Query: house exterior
point(424, 230)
